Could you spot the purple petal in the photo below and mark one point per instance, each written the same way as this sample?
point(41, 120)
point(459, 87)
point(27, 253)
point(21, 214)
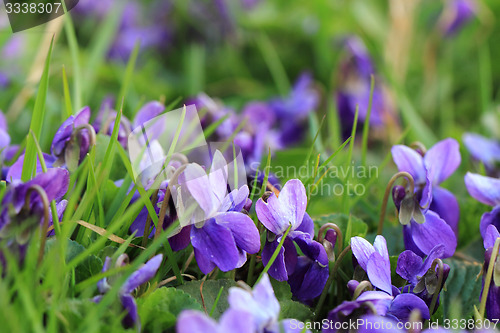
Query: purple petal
point(362, 250)
point(379, 272)
point(55, 182)
point(204, 263)
point(410, 161)
point(16, 169)
point(490, 218)
point(442, 160)
point(244, 231)
point(285, 262)
point(217, 243)
point(308, 279)
point(409, 266)
point(236, 321)
point(380, 246)
point(142, 275)
point(403, 304)
point(131, 319)
point(147, 112)
point(197, 182)
point(446, 206)
point(433, 232)
point(490, 237)
point(307, 225)
point(4, 139)
point(191, 321)
point(482, 149)
point(218, 176)
point(484, 189)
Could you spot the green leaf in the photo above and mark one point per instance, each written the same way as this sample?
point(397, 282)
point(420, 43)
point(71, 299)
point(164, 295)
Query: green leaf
point(159, 310)
point(37, 120)
point(462, 285)
point(296, 310)
point(357, 226)
point(281, 290)
point(210, 291)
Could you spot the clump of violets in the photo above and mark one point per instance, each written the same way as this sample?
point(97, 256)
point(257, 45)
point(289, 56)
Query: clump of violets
point(439, 223)
point(252, 311)
point(385, 299)
point(306, 274)
point(136, 279)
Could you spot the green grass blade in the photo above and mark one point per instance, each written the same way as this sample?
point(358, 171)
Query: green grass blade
point(366, 125)
point(274, 64)
point(129, 73)
point(67, 97)
point(69, 30)
point(37, 120)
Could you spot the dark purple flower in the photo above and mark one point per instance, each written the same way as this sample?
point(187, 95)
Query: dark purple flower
point(139, 277)
point(306, 274)
point(456, 15)
point(493, 300)
point(14, 211)
point(485, 190)
point(72, 135)
point(15, 170)
point(221, 234)
point(428, 172)
point(374, 259)
point(482, 149)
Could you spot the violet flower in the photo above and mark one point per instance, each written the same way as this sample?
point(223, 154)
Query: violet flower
point(493, 300)
point(374, 260)
point(354, 89)
point(14, 172)
point(456, 15)
point(253, 311)
point(15, 216)
point(72, 140)
point(105, 120)
point(140, 276)
point(440, 206)
point(422, 279)
point(221, 234)
point(483, 150)
point(306, 274)
point(485, 190)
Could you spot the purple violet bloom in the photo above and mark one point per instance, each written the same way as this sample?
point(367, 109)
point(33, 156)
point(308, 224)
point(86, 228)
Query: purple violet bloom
point(354, 89)
point(423, 281)
point(221, 234)
point(14, 213)
point(485, 190)
point(105, 120)
point(192, 321)
point(140, 276)
point(374, 259)
point(493, 300)
point(482, 149)
point(63, 144)
point(456, 15)
point(440, 206)
point(306, 274)
point(15, 170)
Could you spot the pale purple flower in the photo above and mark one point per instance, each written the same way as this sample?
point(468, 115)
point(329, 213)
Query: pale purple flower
point(456, 14)
point(483, 149)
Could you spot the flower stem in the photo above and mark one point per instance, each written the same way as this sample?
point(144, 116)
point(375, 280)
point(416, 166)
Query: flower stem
point(440, 265)
point(147, 227)
point(275, 254)
point(326, 227)
point(362, 286)
point(388, 192)
point(489, 277)
point(330, 278)
point(45, 201)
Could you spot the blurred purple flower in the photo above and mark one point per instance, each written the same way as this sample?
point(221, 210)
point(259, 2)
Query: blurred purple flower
point(483, 150)
point(355, 73)
point(72, 129)
point(456, 14)
point(485, 190)
point(139, 277)
point(192, 321)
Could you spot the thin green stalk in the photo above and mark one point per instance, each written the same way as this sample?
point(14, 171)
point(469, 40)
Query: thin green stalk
point(489, 277)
